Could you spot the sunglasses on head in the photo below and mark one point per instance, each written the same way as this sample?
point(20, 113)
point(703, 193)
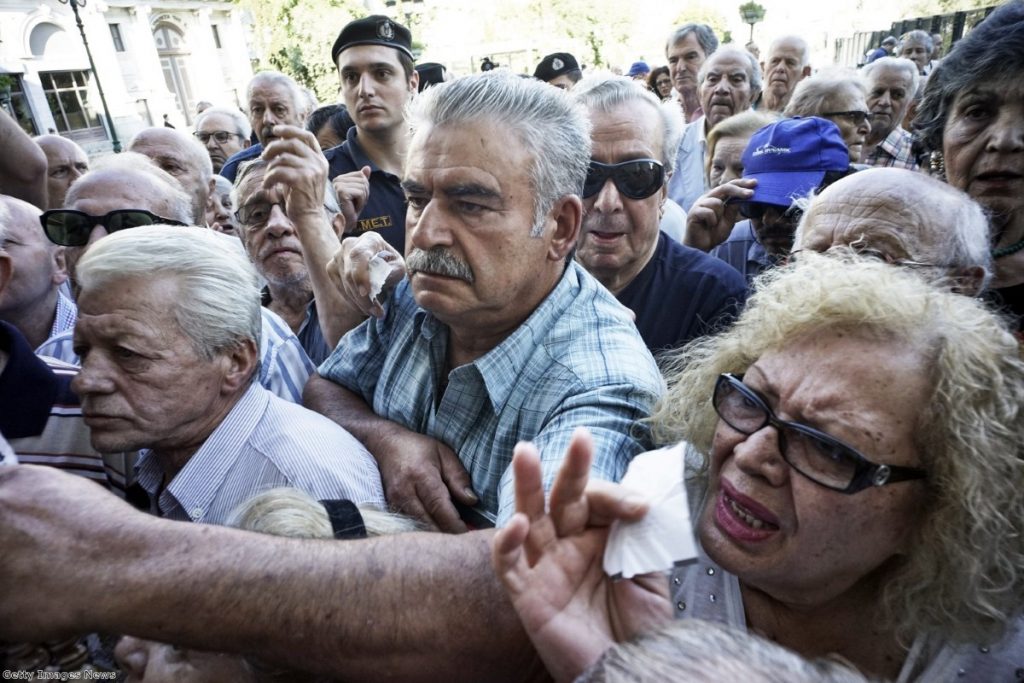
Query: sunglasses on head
point(70, 228)
point(635, 179)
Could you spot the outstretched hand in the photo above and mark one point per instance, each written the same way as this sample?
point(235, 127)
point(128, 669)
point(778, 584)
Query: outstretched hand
point(551, 563)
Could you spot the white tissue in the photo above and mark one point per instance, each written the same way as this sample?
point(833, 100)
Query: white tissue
point(664, 537)
point(379, 271)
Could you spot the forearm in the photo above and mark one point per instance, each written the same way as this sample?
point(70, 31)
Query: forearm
point(337, 315)
point(22, 165)
point(349, 410)
point(413, 607)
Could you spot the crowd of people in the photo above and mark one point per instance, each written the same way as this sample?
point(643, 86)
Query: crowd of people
point(442, 318)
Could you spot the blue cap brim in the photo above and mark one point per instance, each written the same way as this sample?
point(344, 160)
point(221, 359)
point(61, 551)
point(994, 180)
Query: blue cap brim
point(781, 188)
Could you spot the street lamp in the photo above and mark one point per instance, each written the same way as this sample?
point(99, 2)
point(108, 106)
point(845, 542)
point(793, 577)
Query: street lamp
point(751, 13)
point(75, 4)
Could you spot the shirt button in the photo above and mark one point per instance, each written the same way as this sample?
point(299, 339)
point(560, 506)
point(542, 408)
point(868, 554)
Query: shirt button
point(196, 513)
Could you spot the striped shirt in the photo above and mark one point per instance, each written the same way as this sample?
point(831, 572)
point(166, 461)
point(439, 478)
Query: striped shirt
point(42, 417)
point(577, 361)
point(896, 150)
point(64, 318)
point(743, 252)
point(264, 442)
point(284, 365)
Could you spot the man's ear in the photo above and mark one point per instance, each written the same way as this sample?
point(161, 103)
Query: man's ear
point(969, 281)
point(6, 270)
point(60, 267)
point(240, 362)
point(567, 214)
point(414, 82)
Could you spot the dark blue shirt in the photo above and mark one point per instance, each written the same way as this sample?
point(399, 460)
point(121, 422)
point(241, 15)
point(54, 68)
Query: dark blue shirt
point(385, 207)
point(681, 294)
point(230, 168)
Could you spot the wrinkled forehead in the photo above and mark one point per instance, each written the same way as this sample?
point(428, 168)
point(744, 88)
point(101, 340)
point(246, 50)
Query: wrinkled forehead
point(214, 122)
point(22, 220)
point(266, 91)
point(101, 192)
point(858, 215)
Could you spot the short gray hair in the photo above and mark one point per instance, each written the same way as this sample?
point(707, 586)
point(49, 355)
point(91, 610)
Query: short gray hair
point(298, 95)
point(753, 68)
point(553, 128)
point(242, 126)
point(918, 36)
point(5, 218)
point(696, 650)
point(219, 300)
point(896, 63)
point(604, 92)
point(805, 49)
point(706, 37)
point(812, 94)
point(139, 164)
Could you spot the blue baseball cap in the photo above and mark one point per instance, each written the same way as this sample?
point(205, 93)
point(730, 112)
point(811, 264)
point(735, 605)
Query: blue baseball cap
point(638, 69)
point(789, 158)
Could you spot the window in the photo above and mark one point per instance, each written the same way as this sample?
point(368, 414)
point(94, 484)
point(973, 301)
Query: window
point(17, 105)
point(115, 35)
point(67, 93)
point(216, 35)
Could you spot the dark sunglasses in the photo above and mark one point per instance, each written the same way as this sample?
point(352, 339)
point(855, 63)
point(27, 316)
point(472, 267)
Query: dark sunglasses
point(635, 179)
point(823, 459)
point(854, 117)
point(70, 228)
point(756, 210)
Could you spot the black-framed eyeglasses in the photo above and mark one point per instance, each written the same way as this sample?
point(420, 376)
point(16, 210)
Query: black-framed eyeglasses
point(256, 213)
point(70, 228)
point(854, 117)
point(756, 210)
point(635, 179)
point(221, 136)
point(823, 459)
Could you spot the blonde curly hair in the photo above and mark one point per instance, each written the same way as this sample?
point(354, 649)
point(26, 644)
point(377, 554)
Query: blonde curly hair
point(963, 576)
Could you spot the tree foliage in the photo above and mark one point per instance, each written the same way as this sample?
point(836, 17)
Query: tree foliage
point(295, 37)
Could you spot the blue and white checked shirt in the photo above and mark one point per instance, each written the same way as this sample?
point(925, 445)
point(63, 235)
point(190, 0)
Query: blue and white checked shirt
point(577, 361)
point(263, 443)
point(284, 365)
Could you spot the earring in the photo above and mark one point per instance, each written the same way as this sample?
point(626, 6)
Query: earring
point(938, 165)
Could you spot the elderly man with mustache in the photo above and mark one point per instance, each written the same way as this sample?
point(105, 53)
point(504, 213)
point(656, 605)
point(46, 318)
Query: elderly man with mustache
point(492, 334)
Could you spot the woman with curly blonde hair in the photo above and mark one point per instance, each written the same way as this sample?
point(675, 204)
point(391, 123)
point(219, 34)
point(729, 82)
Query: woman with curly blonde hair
point(854, 449)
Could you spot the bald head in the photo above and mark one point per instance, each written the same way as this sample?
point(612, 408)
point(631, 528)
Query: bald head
point(126, 181)
point(903, 216)
point(65, 163)
point(180, 155)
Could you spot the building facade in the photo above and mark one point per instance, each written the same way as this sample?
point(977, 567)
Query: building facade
point(155, 60)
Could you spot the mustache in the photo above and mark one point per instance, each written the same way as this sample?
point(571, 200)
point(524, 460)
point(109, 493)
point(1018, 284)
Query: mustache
point(439, 261)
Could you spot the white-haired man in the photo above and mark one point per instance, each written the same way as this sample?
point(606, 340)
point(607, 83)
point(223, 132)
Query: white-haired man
point(891, 84)
point(168, 331)
point(223, 131)
point(730, 81)
point(129, 191)
point(274, 99)
point(676, 293)
point(789, 62)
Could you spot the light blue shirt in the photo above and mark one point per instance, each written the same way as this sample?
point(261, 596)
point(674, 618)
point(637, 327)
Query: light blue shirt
point(264, 442)
point(687, 182)
point(577, 361)
point(284, 365)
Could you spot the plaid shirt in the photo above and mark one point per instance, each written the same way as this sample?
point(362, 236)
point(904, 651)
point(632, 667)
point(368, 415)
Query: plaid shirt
point(895, 150)
point(576, 361)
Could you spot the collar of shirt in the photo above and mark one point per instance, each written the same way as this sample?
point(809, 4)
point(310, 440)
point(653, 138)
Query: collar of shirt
point(500, 367)
point(28, 388)
point(66, 315)
point(196, 485)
